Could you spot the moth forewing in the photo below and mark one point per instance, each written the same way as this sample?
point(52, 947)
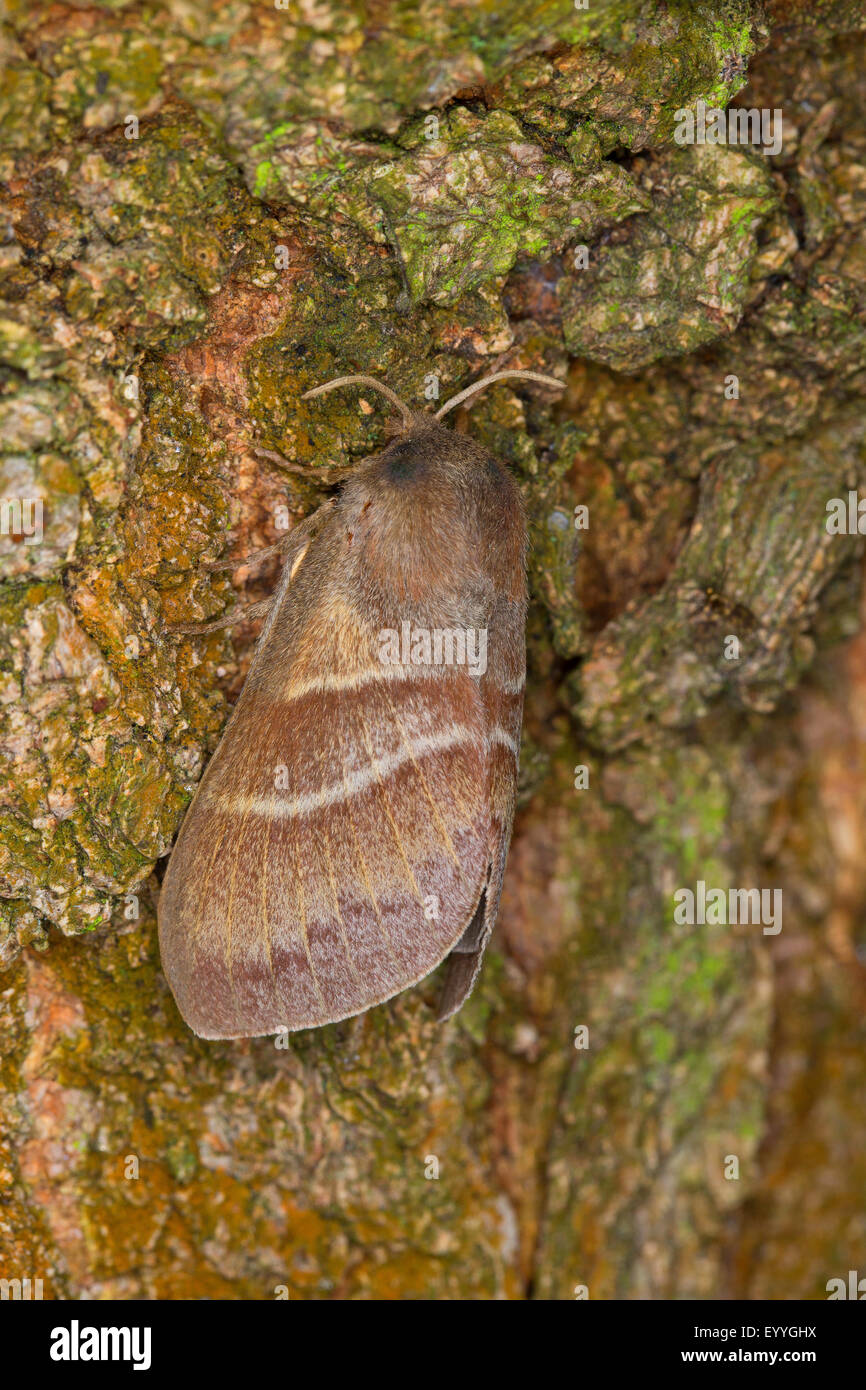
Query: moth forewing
point(352, 827)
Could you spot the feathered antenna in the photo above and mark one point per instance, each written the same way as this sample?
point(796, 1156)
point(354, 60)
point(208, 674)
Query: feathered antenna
point(497, 376)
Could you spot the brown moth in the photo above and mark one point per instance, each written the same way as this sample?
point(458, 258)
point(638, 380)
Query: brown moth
point(351, 829)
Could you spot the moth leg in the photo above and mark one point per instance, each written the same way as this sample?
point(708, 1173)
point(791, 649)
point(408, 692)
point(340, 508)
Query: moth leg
point(286, 546)
point(238, 614)
point(331, 475)
point(213, 566)
point(290, 546)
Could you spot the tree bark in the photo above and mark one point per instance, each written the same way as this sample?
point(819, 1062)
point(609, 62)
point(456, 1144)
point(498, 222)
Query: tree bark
point(214, 209)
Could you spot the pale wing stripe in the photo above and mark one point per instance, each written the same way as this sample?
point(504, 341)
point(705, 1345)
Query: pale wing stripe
point(366, 675)
point(357, 782)
point(500, 735)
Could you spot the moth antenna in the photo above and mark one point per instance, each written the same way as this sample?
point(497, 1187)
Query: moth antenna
point(497, 376)
point(364, 381)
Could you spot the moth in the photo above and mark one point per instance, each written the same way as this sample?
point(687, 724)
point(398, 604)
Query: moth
point(350, 831)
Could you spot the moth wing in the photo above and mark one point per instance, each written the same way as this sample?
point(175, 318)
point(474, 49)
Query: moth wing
point(338, 844)
point(502, 690)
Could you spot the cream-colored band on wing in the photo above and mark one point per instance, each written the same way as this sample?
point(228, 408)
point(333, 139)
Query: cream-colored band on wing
point(353, 680)
point(277, 808)
point(500, 735)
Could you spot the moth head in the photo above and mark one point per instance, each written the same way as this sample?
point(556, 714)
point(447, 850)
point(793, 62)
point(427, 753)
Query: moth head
point(427, 512)
point(426, 463)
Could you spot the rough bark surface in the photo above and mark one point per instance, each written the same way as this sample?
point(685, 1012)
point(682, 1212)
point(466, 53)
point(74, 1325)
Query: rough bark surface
point(403, 189)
